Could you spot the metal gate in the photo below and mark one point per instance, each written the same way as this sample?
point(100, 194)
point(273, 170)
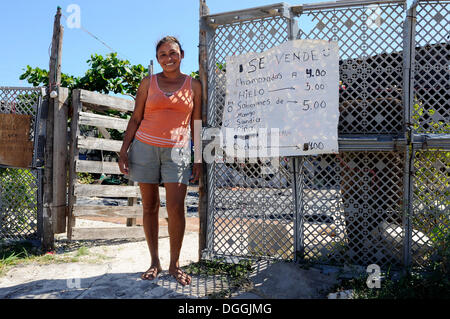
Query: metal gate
point(367, 204)
point(21, 197)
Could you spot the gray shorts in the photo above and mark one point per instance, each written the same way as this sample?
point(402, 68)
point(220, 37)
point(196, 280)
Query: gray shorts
point(155, 165)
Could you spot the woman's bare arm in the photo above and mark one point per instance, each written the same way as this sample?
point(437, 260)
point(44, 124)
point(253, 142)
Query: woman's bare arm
point(133, 124)
point(196, 112)
point(196, 134)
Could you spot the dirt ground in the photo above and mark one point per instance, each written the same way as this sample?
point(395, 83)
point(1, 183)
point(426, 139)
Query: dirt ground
point(111, 269)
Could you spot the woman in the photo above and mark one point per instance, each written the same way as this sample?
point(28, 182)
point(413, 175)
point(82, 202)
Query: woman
point(158, 131)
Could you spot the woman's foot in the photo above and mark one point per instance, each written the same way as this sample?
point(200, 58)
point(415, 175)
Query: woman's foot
point(151, 273)
point(180, 276)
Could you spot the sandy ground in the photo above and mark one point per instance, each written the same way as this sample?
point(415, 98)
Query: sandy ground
point(112, 269)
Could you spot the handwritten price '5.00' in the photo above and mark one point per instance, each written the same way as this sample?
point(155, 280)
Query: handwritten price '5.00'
point(309, 105)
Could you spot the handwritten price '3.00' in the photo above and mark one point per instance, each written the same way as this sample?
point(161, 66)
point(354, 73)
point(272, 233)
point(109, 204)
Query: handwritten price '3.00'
point(316, 87)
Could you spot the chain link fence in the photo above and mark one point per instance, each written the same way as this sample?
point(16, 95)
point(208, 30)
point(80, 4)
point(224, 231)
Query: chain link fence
point(430, 125)
point(370, 39)
point(21, 188)
point(431, 78)
point(384, 198)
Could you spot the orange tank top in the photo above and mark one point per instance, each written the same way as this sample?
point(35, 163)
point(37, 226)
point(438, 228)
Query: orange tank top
point(166, 119)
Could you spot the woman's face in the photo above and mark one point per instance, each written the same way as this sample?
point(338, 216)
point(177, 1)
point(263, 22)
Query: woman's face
point(169, 56)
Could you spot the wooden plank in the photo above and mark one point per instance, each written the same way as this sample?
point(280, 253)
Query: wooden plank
point(132, 201)
point(60, 115)
point(110, 102)
point(73, 155)
point(93, 143)
point(54, 77)
point(114, 233)
point(97, 167)
point(113, 211)
point(107, 211)
point(47, 185)
point(113, 190)
point(106, 190)
point(92, 119)
point(107, 233)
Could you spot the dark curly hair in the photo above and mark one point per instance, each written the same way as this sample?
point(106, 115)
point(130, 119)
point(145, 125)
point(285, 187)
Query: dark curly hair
point(167, 39)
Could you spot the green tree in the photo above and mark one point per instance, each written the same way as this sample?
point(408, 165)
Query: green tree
point(104, 75)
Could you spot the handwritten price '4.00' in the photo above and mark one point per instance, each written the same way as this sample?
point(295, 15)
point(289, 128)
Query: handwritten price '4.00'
point(310, 73)
point(310, 146)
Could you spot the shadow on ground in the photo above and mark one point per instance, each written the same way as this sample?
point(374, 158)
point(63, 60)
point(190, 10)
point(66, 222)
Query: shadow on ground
point(116, 285)
point(268, 280)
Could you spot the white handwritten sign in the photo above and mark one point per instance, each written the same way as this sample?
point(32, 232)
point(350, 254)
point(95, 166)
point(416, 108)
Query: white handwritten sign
point(290, 90)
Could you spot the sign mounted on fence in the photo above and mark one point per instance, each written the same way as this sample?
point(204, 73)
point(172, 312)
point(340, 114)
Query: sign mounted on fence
point(16, 149)
point(285, 100)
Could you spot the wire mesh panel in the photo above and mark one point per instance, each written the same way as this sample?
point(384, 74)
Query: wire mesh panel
point(21, 101)
point(251, 214)
point(20, 188)
point(431, 74)
point(26, 101)
point(370, 39)
point(19, 203)
point(351, 207)
point(431, 206)
point(255, 35)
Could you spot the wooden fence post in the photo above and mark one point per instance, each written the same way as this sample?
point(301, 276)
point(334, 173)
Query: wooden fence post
point(203, 74)
point(50, 212)
point(60, 161)
point(73, 156)
point(47, 227)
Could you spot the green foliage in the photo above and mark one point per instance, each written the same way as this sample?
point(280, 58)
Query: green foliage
point(195, 75)
point(412, 285)
point(13, 254)
point(23, 252)
point(221, 66)
point(39, 77)
point(220, 267)
point(105, 74)
point(237, 273)
point(18, 196)
point(111, 74)
point(409, 286)
point(85, 178)
point(82, 251)
point(431, 191)
point(420, 113)
point(432, 283)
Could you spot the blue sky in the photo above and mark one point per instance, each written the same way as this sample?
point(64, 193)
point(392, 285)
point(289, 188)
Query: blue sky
point(130, 27)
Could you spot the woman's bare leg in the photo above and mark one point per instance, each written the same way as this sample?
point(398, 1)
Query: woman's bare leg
point(175, 196)
point(150, 204)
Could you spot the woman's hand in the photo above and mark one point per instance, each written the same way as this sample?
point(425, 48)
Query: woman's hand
point(196, 172)
point(123, 163)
